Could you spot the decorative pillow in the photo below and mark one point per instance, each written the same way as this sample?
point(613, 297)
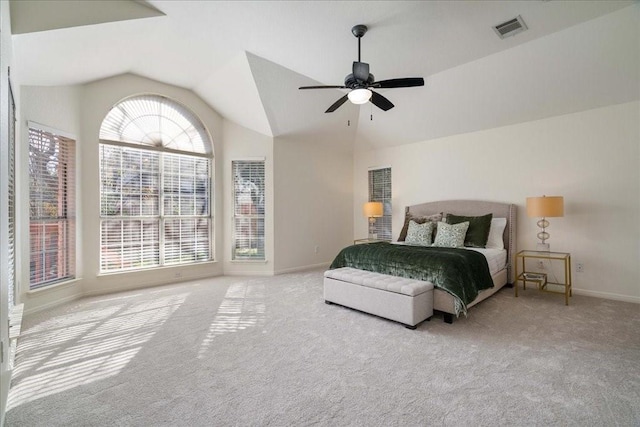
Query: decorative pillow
point(451, 235)
point(420, 220)
point(478, 232)
point(495, 233)
point(419, 234)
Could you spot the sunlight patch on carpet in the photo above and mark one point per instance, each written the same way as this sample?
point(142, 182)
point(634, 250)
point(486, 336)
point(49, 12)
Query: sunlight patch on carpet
point(242, 307)
point(82, 347)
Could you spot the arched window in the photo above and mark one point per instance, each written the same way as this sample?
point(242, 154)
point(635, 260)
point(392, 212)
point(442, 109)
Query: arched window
point(155, 185)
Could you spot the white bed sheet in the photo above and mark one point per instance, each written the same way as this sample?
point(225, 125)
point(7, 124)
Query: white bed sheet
point(496, 258)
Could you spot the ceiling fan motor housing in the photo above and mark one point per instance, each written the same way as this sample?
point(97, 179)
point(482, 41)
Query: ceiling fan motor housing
point(353, 83)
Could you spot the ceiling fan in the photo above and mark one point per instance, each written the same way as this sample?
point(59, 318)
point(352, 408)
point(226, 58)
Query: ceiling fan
point(360, 81)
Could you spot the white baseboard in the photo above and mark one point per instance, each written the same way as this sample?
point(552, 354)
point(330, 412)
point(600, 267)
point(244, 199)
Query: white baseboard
point(51, 304)
point(607, 295)
point(303, 268)
point(248, 273)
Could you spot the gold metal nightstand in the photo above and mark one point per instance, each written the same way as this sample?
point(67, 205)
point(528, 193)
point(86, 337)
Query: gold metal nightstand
point(540, 278)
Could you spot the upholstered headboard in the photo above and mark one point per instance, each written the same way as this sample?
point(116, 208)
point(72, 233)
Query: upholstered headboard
point(477, 208)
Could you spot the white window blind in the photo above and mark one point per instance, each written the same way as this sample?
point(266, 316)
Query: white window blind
point(154, 201)
point(380, 191)
point(248, 209)
point(51, 208)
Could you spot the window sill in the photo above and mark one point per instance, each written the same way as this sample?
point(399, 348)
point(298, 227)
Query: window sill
point(154, 269)
point(54, 286)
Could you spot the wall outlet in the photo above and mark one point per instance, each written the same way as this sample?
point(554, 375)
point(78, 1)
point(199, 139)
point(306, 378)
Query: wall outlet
point(177, 274)
point(541, 265)
point(316, 249)
point(580, 267)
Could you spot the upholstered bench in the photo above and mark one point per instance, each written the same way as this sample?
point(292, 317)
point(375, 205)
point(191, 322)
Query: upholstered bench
point(407, 301)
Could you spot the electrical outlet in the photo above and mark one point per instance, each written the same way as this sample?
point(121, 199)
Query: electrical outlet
point(177, 274)
point(580, 267)
point(316, 249)
point(541, 265)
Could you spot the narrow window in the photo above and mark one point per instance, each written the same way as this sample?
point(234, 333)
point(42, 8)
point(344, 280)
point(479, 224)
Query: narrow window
point(248, 209)
point(51, 207)
point(380, 191)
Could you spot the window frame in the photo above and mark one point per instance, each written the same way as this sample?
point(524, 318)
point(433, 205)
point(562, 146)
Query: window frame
point(66, 219)
point(380, 190)
point(163, 219)
point(252, 218)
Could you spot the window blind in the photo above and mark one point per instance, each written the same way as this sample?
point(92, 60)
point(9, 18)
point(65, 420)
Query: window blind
point(380, 191)
point(154, 208)
point(248, 209)
point(51, 208)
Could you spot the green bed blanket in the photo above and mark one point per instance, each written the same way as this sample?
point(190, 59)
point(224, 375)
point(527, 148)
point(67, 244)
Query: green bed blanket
point(460, 272)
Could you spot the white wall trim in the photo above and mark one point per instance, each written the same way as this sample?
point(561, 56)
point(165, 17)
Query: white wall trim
point(607, 295)
point(302, 268)
point(248, 273)
point(52, 304)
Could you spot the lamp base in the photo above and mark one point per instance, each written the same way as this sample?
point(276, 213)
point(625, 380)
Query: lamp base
point(543, 247)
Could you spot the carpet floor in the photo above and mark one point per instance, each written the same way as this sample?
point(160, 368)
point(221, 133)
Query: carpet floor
point(267, 351)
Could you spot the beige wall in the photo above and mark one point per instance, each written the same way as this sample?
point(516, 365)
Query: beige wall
point(313, 196)
point(592, 158)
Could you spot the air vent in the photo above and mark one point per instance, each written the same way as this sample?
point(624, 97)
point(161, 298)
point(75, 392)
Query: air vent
point(510, 28)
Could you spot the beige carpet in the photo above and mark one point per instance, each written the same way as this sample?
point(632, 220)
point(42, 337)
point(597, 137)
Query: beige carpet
point(268, 351)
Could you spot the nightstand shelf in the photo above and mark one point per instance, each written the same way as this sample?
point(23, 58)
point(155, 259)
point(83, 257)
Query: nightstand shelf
point(541, 279)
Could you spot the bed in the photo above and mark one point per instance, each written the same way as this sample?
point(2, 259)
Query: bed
point(446, 299)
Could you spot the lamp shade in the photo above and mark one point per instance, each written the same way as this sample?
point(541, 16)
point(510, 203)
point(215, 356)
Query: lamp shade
point(372, 209)
point(359, 96)
point(545, 206)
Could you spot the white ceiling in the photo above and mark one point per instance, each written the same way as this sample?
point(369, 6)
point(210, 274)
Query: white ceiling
point(247, 58)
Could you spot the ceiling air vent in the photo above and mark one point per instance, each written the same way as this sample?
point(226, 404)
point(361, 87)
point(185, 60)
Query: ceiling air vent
point(510, 28)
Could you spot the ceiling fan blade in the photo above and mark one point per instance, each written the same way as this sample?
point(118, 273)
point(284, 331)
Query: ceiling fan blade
point(361, 71)
point(380, 101)
point(337, 104)
point(405, 82)
point(322, 87)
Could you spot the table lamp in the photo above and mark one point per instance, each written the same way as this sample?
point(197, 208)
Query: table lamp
point(545, 207)
point(372, 210)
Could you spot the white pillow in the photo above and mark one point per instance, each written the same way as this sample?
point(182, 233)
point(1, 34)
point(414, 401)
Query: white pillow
point(451, 235)
point(419, 234)
point(495, 233)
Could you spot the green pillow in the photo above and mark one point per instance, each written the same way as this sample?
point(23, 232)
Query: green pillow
point(478, 232)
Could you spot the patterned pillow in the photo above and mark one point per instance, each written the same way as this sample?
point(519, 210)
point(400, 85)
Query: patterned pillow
point(451, 235)
point(419, 234)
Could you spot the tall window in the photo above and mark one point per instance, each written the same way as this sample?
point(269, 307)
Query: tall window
point(51, 207)
point(380, 191)
point(155, 186)
point(11, 250)
point(248, 209)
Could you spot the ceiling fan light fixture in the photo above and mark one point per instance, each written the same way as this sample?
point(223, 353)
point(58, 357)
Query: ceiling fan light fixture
point(359, 96)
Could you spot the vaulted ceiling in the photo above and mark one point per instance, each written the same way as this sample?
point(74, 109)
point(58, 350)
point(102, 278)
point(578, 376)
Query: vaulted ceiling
point(248, 58)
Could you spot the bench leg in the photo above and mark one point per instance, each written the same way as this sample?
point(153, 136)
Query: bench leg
point(448, 318)
point(410, 327)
